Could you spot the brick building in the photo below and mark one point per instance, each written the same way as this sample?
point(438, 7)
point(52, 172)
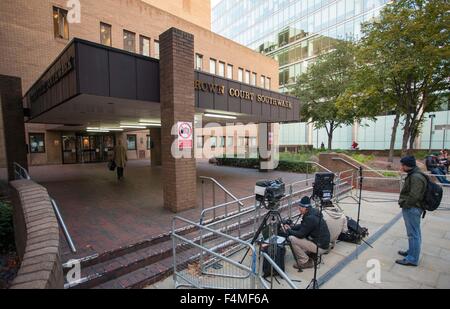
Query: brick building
point(129, 69)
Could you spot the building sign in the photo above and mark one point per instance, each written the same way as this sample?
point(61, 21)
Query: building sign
point(209, 87)
point(185, 135)
point(45, 85)
point(242, 94)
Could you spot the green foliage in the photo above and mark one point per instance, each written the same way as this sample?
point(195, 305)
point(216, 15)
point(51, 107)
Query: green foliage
point(363, 159)
point(391, 174)
point(321, 87)
point(421, 154)
point(6, 227)
point(402, 64)
point(290, 165)
point(300, 157)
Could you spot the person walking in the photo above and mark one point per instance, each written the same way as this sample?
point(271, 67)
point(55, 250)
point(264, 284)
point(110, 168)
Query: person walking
point(120, 158)
point(412, 202)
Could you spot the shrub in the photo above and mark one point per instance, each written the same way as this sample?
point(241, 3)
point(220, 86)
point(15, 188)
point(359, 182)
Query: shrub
point(363, 159)
point(293, 166)
point(6, 227)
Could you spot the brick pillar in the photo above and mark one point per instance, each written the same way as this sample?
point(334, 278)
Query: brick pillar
point(179, 176)
point(155, 137)
point(13, 123)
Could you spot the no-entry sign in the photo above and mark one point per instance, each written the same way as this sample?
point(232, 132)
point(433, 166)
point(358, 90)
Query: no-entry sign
point(185, 135)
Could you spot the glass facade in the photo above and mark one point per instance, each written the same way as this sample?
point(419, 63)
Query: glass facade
point(294, 32)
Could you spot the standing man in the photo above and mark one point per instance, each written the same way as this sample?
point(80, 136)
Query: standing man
point(412, 201)
point(120, 158)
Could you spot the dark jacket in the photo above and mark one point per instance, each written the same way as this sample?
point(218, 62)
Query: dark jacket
point(309, 229)
point(413, 191)
point(431, 162)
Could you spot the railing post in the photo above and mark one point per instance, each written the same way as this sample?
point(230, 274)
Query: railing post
point(174, 253)
point(214, 199)
point(203, 194)
point(290, 202)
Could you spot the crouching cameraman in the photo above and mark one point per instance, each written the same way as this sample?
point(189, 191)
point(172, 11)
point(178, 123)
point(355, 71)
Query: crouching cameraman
point(306, 236)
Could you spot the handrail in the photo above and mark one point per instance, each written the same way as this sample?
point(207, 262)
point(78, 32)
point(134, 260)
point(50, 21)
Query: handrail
point(319, 165)
point(222, 188)
point(63, 226)
point(22, 173)
point(345, 161)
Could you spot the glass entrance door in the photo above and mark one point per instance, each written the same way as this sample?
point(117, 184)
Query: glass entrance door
point(69, 144)
point(87, 148)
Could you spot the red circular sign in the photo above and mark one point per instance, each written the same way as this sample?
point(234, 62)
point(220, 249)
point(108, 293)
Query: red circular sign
point(185, 131)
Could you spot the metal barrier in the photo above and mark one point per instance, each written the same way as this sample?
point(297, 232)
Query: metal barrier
point(21, 173)
point(213, 261)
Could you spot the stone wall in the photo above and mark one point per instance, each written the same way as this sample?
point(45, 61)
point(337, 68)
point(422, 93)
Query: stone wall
point(37, 238)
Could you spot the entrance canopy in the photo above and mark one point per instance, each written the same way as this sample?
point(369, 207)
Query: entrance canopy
point(91, 85)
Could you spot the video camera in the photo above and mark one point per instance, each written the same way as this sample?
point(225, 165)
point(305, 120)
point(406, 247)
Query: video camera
point(323, 188)
point(270, 192)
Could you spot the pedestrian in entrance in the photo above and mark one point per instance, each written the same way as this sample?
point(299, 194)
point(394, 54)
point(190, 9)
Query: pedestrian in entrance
point(120, 158)
point(412, 202)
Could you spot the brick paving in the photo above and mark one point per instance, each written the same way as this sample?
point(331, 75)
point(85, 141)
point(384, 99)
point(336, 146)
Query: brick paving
point(103, 214)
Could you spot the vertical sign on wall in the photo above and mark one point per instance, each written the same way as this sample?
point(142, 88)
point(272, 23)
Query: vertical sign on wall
point(185, 135)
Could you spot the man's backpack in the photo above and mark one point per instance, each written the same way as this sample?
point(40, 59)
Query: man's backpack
point(355, 234)
point(433, 195)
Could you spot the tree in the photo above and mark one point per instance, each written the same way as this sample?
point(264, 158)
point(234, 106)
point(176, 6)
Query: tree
point(321, 87)
point(405, 56)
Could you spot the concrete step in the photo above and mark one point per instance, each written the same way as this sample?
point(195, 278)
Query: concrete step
point(150, 261)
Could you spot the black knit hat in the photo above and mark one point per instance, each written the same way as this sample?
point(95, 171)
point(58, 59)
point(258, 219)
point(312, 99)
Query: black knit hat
point(305, 202)
point(409, 161)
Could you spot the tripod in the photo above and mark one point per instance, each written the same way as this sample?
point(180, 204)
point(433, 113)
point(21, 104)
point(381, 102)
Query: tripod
point(272, 220)
point(314, 284)
point(361, 181)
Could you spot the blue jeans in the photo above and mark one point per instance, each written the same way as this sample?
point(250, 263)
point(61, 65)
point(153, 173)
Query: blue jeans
point(442, 179)
point(412, 217)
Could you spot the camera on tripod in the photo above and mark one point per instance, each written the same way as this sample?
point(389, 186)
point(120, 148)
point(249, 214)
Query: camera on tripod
point(270, 192)
point(323, 188)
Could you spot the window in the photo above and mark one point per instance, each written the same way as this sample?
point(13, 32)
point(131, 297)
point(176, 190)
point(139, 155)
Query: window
point(241, 75)
point(37, 142)
point(262, 82)
point(129, 41)
point(156, 49)
point(222, 141)
point(230, 71)
point(221, 69)
point(144, 46)
point(149, 142)
point(268, 83)
point(213, 141)
point(212, 66)
point(200, 141)
point(241, 141)
point(230, 141)
point(199, 62)
point(253, 142)
point(131, 142)
point(247, 77)
point(105, 34)
point(60, 23)
point(254, 77)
